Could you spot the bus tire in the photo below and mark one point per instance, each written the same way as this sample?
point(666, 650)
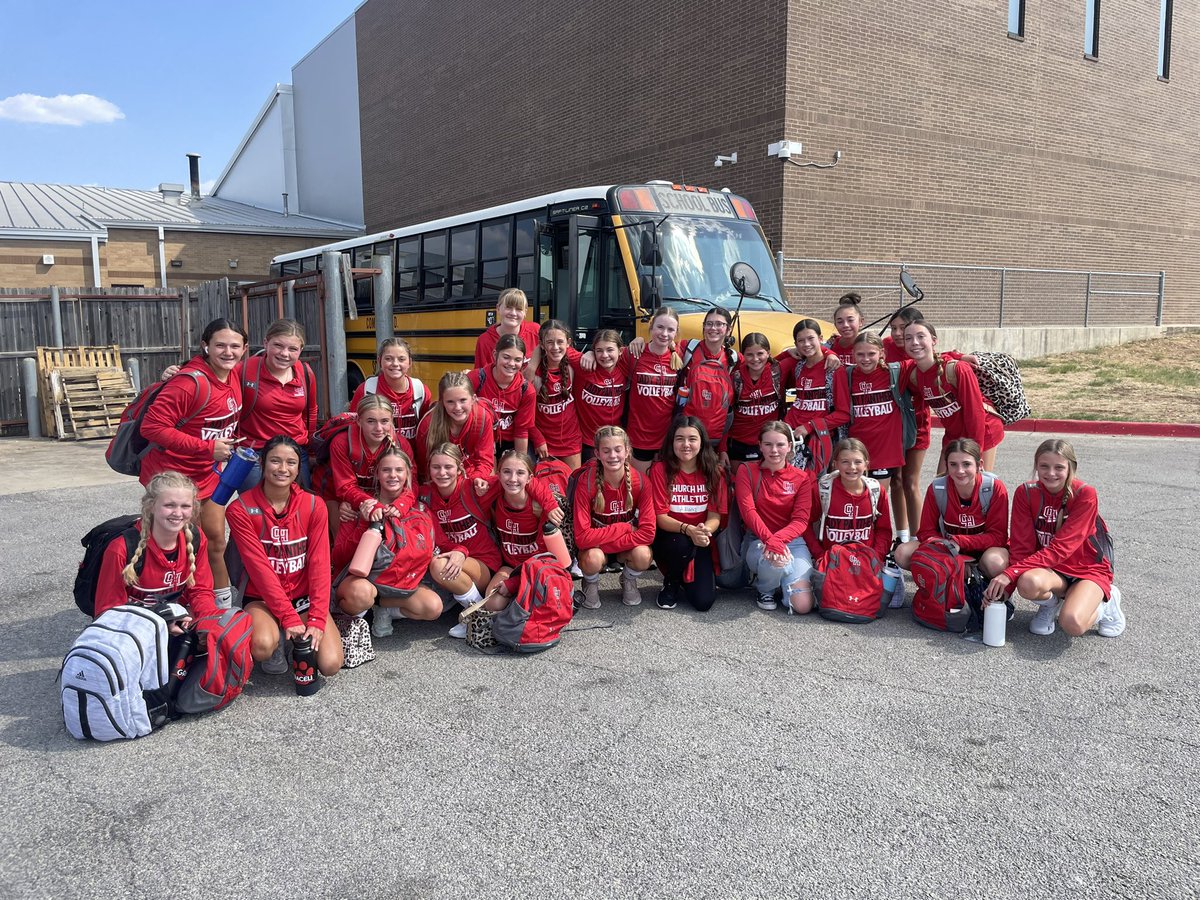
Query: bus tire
point(354, 377)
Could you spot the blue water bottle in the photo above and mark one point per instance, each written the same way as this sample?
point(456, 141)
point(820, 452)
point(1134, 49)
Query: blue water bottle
point(234, 474)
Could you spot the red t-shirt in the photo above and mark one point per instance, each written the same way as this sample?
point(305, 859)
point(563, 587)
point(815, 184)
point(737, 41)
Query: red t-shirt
point(271, 407)
point(812, 398)
point(600, 397)
point(405, 410)
point(163, 573)
point(893, 352)
point(622, 526)
point(965, 523)
point(775, 506)
point(557, 416)
point(755, 404)
point(476, 440)
point(849, 521)
point(512, 407)
point(876, 420)
point(458, 524)
point(519, 530)
point(651, 398)
point(689, 500)
point(286, 555)
point(188, 449)
point(1034, 543)
point(485, 347)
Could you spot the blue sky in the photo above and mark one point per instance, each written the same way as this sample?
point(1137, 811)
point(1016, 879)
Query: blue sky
point(158, 79)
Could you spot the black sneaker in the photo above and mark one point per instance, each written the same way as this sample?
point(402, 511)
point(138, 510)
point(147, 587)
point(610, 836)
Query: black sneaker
point(666, 597)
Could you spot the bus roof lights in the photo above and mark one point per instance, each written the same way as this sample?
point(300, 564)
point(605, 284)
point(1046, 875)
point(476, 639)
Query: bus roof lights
point(636, 199)
point(743, 208)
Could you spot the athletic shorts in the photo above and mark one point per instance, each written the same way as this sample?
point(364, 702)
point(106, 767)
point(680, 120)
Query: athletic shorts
point(743, 452)
point(884, 473)
point(923, 429)
point(644, 455)
point(299, 604)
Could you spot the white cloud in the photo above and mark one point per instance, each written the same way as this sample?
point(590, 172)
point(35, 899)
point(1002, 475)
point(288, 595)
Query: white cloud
point(65, 109)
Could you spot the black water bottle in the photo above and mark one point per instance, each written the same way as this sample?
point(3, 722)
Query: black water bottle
point(304, 667)
point(185, 653)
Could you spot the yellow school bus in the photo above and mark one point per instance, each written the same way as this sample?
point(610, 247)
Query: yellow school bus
point(593, 258)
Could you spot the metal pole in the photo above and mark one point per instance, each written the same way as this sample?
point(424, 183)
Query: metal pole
point(779, 263)
point(1162, 279)
point(29, 381)
point(384, 302)
point(335, 331)
point(289, 301)
point(56, 312)
point(1087, 300)
point(185, 323)
point(134, 367)
point(1000, 324)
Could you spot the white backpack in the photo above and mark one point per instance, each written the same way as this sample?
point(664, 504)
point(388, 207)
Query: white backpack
point(418, 389)
point(104, 674)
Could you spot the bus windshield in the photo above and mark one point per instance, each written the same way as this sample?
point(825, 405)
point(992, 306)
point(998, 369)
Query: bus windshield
point(697, 254)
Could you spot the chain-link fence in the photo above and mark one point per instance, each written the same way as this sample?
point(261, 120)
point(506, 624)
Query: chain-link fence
point(979, 296)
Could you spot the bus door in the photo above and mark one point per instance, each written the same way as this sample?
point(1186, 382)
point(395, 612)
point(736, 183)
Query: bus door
point(591, 289)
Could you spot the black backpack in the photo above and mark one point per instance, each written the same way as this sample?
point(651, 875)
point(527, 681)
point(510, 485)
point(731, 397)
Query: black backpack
point(95, 542)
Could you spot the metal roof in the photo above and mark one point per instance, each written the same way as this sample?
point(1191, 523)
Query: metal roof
point(71, 210)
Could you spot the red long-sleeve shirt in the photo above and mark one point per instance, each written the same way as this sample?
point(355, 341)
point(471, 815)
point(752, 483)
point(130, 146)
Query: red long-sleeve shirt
point(877, 420)
point(458, 523)
point(410, 538)
point(844, 352)
point(958, 406)
point(812, 398)
point(519, 530)
point(405, 410)
point(353, 464)
point(754, 405)
point(556, 415)
point(277, 408)
point(775, 506)
point(1033, 542)
point(476, 440)
point(651, 398)
point(621, 526)
point(849, 520)
point(600, 397)
point(513, 407)
point(286, 554)
point(188, 448)
point(161, 575)
point(485, 347)
point(965, 523)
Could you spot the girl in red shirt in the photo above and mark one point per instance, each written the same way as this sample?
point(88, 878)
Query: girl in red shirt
point(353, 456)
point(511, 306)
point(614, 518)
point(1056, 560)
point(408, 394)
point(519, 507)
point(191, 424)
point(398, 590)
point(906, 503)
point(983, 537)
point(279, 396)
point(511, 398)
point(282, 536)
point(553, 379)
point(460, 419)
point(775, 502)
point(950, 391)
point(600, 393)
point(467, 556)
point(848, 320)
point(850, 518)
point(707, 372)
point(690, 501)
point(652, 388)
point(758, 399)
point(814, 410)
point(171, 569)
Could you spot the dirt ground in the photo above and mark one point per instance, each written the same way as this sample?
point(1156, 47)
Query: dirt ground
point(1144, 381)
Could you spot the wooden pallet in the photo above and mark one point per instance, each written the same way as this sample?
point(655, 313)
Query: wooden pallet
point(51, 358)
point(88, 401)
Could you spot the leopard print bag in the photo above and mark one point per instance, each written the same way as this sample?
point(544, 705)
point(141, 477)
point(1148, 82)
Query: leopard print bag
point(357, 648)
point(1000, 383)
point(479, 625)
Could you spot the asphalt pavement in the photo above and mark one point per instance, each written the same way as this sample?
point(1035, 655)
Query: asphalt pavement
point(737, 753)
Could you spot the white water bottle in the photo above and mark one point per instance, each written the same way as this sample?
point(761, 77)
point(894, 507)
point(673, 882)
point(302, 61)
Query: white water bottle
point(995, 620)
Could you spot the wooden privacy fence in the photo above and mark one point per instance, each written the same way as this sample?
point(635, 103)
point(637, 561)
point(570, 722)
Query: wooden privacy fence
point(157, 327)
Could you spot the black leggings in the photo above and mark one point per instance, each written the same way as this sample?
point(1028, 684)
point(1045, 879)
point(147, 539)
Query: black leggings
point(672, 553)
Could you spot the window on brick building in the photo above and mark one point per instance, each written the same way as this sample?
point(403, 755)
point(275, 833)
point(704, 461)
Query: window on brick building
point(1091, 29)
point(1016, 18)
point(1165, 14)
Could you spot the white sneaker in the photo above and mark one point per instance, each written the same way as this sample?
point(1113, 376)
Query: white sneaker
point(1047, 614)
point(278, 663)
point(575, 571)
point(459, 631)
point(591, 594)
point(381, 621)
point(1112, 619)
point(631, 594)
point(767, 601)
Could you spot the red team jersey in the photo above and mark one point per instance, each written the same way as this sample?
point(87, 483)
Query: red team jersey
point(959, 406)
point(843, 352)
point(286, 554)
point(689, 500)
point(1039, 540)
point(352, 465)
point(850, 521)
point(459, 525)
point(556, 413)
point(876, 419)
point(476, 440)
point(776, 507)
point(965, 523)
point(163, 574)
point(706, 365)
point(600, 397)
point(812, 397)
point(188, 449)
point(512, 407)
point(278, 408)
point(755, 404)
point(485, 347)
point(651, 398)
point(621, 526)
point(405, 411)
point(519, 530)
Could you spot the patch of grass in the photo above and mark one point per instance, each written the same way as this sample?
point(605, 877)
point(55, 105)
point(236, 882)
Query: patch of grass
point(1168, 377)
point(1065, 368)
point(1106, 379)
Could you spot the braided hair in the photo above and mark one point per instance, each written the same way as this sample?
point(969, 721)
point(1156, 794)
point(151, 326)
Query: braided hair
point(612, 432)
point(543, 366)
point(163, 481)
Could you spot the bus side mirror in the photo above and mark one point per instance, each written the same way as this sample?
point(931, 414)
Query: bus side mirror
point(910, 286)
point(651, 290)
point(648, 253)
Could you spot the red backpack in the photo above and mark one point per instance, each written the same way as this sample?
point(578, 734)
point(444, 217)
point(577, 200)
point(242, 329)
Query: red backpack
point(127, 447)
point(541, 608)
point(252, 376)
point(711, 388)
point(941, 598)
point(319, 444)
point(223, 648)
point(849, 584)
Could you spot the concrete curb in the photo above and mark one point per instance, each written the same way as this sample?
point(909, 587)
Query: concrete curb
point(1083, 426)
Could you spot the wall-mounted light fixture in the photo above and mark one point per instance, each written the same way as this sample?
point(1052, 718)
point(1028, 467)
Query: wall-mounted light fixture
point(233, 264)
point(785, 150)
